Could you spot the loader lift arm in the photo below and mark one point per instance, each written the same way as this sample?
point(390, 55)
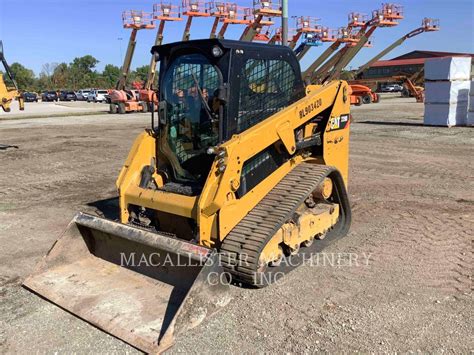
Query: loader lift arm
point(7, 95)
point(7, 67)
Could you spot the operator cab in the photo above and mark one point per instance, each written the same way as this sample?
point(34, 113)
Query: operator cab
point(211, 90)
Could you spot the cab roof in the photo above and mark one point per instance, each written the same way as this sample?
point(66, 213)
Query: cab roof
point(225, 44)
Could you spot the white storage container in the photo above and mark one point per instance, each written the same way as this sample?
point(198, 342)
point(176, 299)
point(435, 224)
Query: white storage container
point(446, 114)
point(448, 68)
point(441, 92)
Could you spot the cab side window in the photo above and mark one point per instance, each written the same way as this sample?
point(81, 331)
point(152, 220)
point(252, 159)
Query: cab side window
point(266, 87)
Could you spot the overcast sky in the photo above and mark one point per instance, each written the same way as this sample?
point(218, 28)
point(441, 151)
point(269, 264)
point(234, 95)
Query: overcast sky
point(35, 32)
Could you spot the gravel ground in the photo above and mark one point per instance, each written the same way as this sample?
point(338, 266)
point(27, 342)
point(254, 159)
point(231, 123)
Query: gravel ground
point(412, 198)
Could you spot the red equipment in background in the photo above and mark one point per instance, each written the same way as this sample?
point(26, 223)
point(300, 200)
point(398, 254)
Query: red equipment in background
point(122, 100)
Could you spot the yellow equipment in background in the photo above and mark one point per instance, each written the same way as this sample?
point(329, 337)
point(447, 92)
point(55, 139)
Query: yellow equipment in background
point(8, 94)
point(243, 176)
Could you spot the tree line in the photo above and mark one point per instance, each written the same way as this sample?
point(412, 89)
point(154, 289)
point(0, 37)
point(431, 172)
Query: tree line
point(81, 73)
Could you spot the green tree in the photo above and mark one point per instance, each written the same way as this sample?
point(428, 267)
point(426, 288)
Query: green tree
point(111, 75)
point(82, 74)
point(140, 74)
point(85, 64)
point(60, 77)
point(43, 83)
point(24, 77)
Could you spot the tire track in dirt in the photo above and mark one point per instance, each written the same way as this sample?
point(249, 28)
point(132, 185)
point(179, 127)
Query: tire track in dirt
point(420, 250)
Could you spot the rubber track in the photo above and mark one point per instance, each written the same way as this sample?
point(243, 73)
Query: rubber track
point(241, 248)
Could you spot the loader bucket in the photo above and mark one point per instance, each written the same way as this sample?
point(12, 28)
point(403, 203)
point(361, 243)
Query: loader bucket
point(142, 287)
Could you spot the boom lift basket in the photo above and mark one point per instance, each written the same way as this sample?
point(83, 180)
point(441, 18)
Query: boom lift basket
point(430, 24)
point(165, 11)
point(356, 19)
point(195, 8)
point(345, 35)
point(328, 35)
point(143, 287)
point(137, 20)
point(308, 24)
point(270, 8)
point(388, 15)
point(313, 40)
point(238, 15)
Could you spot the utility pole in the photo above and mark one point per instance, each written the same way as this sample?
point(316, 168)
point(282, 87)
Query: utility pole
point(284, 23)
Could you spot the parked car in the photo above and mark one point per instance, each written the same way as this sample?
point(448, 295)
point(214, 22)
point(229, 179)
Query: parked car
point(392, 88)
point(49, 96)
point(67, 96)
point(30, 97)
point(98, 96)
point(83, 94)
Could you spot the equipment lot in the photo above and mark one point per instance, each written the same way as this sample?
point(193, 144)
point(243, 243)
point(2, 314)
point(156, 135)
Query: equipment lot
point(412, 197)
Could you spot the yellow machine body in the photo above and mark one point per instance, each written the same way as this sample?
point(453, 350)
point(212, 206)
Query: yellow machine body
point(165, 265)
point(7, 95)
point(217, 210)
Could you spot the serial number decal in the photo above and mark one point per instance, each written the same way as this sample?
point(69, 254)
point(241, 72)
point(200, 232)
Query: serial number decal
point(337, 123)
point(310, 108)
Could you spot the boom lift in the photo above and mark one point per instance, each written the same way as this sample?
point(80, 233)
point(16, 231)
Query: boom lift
point(410, 88)
point(308, 27)
point(243, 174)
point(218, 10)
point(162, 12)
point(387, 16)
point(228, 14)
point(192, 9)
point(262, 9)
point(122, 100)
point(427, 25)
point(366, 93)
point(8, 94)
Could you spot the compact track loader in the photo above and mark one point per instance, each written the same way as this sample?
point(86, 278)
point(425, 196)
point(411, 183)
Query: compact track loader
point(241, 176)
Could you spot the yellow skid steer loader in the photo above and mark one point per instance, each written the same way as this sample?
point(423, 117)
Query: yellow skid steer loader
point(241, 177)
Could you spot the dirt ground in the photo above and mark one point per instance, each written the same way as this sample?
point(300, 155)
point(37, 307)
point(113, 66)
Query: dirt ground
point(412, 195)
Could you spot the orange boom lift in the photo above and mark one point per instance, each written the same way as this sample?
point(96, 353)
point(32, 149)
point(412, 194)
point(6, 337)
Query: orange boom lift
point(366, 94)
point(387, 16)
point(122, 100)
point(228, 14)
point(192, 9)
point(263, 12)
point(163, 12)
